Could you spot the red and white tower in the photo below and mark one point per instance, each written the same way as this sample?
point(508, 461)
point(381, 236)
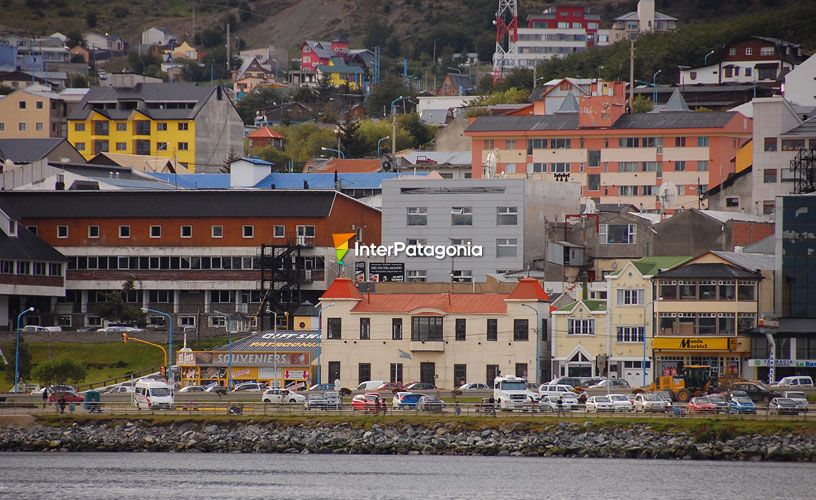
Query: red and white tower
point(506, 36)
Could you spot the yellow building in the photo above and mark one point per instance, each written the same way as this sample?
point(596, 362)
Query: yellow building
point(198, 126)
point(340, 73)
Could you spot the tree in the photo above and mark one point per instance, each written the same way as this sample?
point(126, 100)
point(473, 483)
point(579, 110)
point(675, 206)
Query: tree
point(91, 19)
point(79, 82)
point(421, 134)
point(74, 38)
point(274, 155)
point(115, 308)
point(381, 95)
point(25, 360)
point(351, 141)
point(641, 104)
point(260, 98)
point(303, 141)
point(59, 371)
point(510, 96)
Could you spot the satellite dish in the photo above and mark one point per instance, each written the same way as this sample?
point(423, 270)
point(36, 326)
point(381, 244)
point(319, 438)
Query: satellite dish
point(490, 165)
point(667, 194)
point(590, 207)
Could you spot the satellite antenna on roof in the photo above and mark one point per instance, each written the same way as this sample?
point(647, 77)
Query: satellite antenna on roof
point(590, 207)
point(668, 195)
point(490, 165)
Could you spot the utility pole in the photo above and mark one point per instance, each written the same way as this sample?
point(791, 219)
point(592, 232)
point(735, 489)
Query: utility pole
point(631, 74)
point(228, 47)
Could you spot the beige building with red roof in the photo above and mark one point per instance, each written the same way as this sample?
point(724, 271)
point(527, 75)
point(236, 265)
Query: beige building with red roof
point(446, 339)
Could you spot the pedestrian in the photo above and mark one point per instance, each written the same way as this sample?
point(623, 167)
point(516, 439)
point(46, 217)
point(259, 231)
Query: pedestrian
point(45, 396)
point(560, 405)
point(492, 402)
point(456, 408)
point(61, 402)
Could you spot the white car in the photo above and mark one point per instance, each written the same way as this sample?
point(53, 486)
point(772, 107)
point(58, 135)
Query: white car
point(569, 402)
point(614, 383)
point(191, 389)
point(798, 397)
point(120, 389)
point(475, 386)
point(34, 329)
point(276, 395)
point(556, 390)
point(596, 404)
point(621, 402)
point(650, 402)
point(794, 382)
point(250, 387)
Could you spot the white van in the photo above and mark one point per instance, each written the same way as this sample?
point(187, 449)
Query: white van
point(556, 390)
point(152, 394)
point(796, 381)
point(369, 385)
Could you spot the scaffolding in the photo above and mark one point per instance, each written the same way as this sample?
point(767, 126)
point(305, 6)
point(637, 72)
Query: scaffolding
point(803, 166)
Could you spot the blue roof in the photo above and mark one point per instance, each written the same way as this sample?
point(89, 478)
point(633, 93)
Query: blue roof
point(255, 161)
point(281, 180)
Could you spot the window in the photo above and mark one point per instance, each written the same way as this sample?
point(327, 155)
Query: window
point(363, 372)
point(580, 327)
point(488, 144)
point(680, 166)
point(652, 142)
point(333, 328)
point(506, 216)
point(617, 234)
point(628, 166)
point(749, 71)
point(426, 328)
point(769, 175)
point(521, 330)
point(560, 143)
point(510, 168)
point(396, 328)
point(793, 144)
point(160, 296)
point(79, 127)
point(121, 126)
point(417, 216)
point(630, 297)
point(21, 126)
point(687, 290)
point(155, 231)
point(746, 291)
point(732, 201)
point(492, 330)
point(222, 296)
point(161, 146)
point(749, 51)
point(182, 146)
point(535, 144)
point(2, 126)
point(396, 372)
point(217, 231)
point(23, 267)
point(459, 375)
point(39, 269)
point(768, 207)
point(101, 127)
point(121, 146)
point(462, 216)
point(334, 371)
point(461, 329)
point(727, 290)
point(22, 104)
point(630, 334)
point(218, 321)
point(305, 231)
point(93, 231)
point(702, 141)
point(594, 158)
point(627, 190)
point(161, 126)
point(142, 127)
point(248, 231)
point(629, 142)
point(510, 144)
point(766, 51)
point(693, 75)
point(365, 328)
point(186, 231)
point(506, 247)
point(62, 231)
point(728, 71)
point(702, 166)
point(770, 144)
point(279, 231)
point(183, 126)
point(417, 276)
point(679, 142)
point(707, 290)
point(38, 126)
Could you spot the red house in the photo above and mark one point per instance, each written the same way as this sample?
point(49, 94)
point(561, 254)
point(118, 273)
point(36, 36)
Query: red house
point(316, 53)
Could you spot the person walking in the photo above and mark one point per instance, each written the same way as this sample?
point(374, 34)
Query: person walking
point(61, 402)
point(45, 394)
point(560, 405)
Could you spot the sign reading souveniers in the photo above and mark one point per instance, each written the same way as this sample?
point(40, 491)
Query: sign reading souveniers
point(695, 343)
point(243, 359)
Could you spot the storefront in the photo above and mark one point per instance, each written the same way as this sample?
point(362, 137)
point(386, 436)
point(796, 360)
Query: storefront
point(726, 354)
point(280, 359)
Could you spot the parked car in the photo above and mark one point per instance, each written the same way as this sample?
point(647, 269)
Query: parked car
point(120, 329)
point(369, 385)
point(799, 398)
point(794, 382)
point(86, 329)
point(322, 401)
point(277, 395)
point(370, 402)
point(616, 383)
point(645, 403)
point(757, 391)
point(474, 386)
point(556, 390)
point(120, 389)
point(590, 381)
point(783, 406)
point(56, 388)
point(719, 401)
point(215, 388)
point(70, 397)
point(430, 403)
point(741, 404)
point(191, 389)
point(322, 387)
point(250, 387)
point(596, 404)
point(621, 402)
point(404, 400)
point(390, 386)
point(34, 329)
point(569, 402)
point(701, 405)
point(420, 386)
point(570, 381)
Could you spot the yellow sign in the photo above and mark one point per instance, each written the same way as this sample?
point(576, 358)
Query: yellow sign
point(695, 343)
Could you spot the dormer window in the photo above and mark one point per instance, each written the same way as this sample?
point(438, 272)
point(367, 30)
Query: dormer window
point(12, 228)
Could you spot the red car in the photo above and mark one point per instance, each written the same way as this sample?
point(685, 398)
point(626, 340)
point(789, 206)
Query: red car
point(701, 405)
point(70, 397)
point(390, 386)
point(370, 402)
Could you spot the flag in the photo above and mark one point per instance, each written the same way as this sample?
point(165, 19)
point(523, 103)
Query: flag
point(403, 354)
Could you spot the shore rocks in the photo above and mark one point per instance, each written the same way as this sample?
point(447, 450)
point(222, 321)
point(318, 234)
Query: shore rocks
point(561, 440)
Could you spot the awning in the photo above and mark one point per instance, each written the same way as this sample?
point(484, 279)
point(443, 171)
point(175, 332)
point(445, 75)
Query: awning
point(767, 66)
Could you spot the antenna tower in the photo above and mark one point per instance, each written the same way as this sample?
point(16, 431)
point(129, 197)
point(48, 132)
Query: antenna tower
point(506, 37)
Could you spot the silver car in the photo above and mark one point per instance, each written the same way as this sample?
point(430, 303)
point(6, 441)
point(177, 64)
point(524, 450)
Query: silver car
point(597, 404)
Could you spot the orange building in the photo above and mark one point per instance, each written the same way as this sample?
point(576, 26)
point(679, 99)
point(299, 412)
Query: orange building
point(618, 157)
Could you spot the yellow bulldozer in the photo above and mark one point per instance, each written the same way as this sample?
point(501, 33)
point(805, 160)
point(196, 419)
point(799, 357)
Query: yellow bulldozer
point(695, 380)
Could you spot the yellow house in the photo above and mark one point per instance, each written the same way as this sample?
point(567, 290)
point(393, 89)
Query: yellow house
point(341, 73)
point(579, 338)
point(185, 51)
point(197, 126)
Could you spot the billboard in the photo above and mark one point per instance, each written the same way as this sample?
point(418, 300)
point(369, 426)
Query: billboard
point(379, 272)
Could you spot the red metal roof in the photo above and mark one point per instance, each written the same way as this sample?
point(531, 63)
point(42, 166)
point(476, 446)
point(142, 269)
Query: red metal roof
point(341, 288)
point(529, 289)
point(265, 133)
point(456, 303)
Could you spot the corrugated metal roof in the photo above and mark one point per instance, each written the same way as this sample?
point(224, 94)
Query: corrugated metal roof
point(668, 119)
point(806, 129)
point(434, 116)
point(176, 203)
point(724, 216)
point(28, 150)
point(146, 92)
point(523, 123)
point(706, 271)
point(750, 261)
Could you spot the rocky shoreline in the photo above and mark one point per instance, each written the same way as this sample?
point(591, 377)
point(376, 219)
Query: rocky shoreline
point(558, 440)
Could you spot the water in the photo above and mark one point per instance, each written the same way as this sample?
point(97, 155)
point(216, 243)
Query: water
point(170, 475)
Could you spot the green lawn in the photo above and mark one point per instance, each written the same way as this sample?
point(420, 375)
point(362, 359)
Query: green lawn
point(104, 359)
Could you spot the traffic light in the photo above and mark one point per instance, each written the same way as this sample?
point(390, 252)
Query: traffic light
point(164, 372)
point(125, 338)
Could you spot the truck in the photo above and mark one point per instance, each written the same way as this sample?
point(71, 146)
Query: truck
point(693, 381)
point(510, 393)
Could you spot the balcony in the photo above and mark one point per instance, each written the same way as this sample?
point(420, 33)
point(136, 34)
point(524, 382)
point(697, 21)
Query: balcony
point(428, 345)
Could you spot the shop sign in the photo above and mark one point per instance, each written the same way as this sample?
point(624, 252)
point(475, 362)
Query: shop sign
point(243, 359)
point(294, 374)
point(794, 363)
point(694, 343)
point(296, 386)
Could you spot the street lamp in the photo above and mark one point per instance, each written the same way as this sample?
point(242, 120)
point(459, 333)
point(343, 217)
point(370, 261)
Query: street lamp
point(705, 59)
point(654, 87)
point(170, 341)
point(394, 126)
point(455, 69)
point(537, 340)
point(17, 351)
point(229, 344)
point(643, 366)
point(339, 153)
point(380, 142)
point(319, 335)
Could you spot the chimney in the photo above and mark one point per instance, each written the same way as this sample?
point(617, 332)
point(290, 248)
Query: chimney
point(60, 184)
point(305, 184)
